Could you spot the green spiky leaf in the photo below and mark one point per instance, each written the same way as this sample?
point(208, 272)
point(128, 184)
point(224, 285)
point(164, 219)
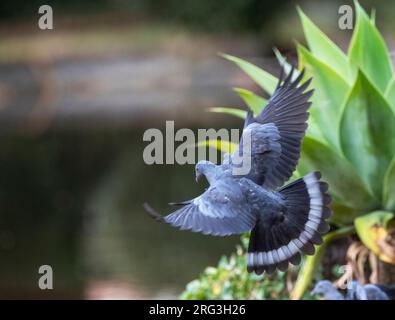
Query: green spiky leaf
point(253, 101)
point(389, 187)
point(367, 129)
point(231, 111)
point(369, 52)
point(323, 48)
point(223, 146)
point(329, 93)
point(390, 93)
point(264, 79)
point(344, 182)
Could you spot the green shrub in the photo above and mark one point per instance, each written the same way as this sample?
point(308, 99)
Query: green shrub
point(229, 280)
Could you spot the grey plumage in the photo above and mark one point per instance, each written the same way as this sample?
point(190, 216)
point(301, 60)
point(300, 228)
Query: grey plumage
point(356, 291)
point(327, 291)
point(283, 222)
point(277, 133)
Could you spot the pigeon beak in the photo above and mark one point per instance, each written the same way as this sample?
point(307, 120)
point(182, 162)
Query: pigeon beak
point(198, 177)
point(313, 292)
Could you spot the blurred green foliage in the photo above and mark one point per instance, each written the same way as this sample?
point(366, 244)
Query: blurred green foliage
point(229, 280)
point(220, 15)
point(207, 15)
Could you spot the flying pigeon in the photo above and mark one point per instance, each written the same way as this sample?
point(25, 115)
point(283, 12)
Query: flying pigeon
point(356, 291)
point(284, 220)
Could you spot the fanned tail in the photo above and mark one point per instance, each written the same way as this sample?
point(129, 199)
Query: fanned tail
point(303, 225)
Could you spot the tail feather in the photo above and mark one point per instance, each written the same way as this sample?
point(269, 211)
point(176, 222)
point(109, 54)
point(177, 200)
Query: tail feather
point(301, 228)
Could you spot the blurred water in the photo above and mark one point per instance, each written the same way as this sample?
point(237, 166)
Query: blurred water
point(73, 180)
point(73, 200)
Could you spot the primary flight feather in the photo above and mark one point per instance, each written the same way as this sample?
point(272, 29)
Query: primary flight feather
point(284, 220)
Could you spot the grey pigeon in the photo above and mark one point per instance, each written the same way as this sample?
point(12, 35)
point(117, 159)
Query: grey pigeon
point(356, 291)
point(284, 220)
point(327, 290)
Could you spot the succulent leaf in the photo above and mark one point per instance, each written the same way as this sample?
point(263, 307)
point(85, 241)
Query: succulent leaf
point(345, 184)
point(389, 187)
point(231, 111)
point(369, 52)
point(330, 90)
point(323, 48)
point(253, 101)
point(367, 133)
point(264, 79)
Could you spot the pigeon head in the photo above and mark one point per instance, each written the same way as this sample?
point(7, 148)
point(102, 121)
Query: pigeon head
point(322, 287)
point(205, 168)
point(326, 289)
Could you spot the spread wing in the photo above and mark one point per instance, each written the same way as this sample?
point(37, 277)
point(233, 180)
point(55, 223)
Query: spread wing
point(221, 210)
point(276, 134)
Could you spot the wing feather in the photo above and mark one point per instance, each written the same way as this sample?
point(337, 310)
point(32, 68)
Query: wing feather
point(276, 133)
point(221, 210)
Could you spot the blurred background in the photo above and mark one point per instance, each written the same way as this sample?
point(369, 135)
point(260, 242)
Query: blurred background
point(74, 104)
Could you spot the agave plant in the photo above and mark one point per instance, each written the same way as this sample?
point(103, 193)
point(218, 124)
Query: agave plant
point(351, 132)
